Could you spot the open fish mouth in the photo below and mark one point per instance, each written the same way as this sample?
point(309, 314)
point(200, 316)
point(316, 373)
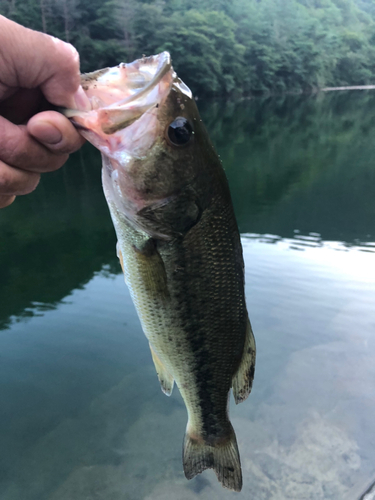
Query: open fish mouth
point(128, 82)
point(120, 96)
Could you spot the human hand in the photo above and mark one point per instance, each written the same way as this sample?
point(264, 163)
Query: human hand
point(35, 69)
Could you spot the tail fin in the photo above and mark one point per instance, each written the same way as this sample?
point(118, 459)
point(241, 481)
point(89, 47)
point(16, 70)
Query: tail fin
point(223, 457)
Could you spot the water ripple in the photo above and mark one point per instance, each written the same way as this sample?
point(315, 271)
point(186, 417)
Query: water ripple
point(311, 240)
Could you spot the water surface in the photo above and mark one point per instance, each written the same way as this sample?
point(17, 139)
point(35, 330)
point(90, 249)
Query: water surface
point(81, 412)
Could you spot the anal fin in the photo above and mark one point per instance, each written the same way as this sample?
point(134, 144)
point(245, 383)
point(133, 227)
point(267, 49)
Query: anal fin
point(243, 378)
point(165, 378)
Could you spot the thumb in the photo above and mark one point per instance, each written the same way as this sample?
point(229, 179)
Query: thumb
point(30, 59)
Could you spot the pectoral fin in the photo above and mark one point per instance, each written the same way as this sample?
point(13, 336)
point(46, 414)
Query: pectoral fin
point(119, 255)
point(121, 259)
point(151, 269)
point(243, 379)
point(165, 379)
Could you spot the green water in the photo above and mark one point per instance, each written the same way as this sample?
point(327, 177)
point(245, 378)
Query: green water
point(81, 413)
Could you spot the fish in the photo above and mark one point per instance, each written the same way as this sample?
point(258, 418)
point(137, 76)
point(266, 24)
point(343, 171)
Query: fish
point(179, 247)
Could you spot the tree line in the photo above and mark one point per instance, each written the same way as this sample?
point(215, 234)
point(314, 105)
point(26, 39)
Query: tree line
point(219, 47)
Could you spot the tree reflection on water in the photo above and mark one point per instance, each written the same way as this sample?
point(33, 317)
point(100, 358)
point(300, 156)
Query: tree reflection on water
point(294, 163)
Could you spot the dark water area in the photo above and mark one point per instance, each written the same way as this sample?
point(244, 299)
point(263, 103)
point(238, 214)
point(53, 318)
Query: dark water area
point(81, 413)
point(300, 162)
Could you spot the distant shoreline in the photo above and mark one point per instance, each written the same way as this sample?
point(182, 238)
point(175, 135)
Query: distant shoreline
point(254, 94)
point(312, 91)
point(355, 87)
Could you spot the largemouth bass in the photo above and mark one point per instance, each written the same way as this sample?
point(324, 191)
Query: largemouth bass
point(179, 247)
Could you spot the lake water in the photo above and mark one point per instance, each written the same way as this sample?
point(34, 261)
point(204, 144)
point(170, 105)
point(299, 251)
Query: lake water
point(81, 412)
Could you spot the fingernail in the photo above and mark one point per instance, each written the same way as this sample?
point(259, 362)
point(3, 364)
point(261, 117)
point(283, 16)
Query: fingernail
point(47, 133)
point(81, 100)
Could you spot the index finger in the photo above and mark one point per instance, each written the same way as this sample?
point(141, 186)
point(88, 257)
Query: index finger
point(30, 59)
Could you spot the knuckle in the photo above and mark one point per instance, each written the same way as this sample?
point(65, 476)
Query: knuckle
point(13, 150)
point(30, 183)
point(5, 201)
point(70, 58)
point(9, 144)
point(15, 182)
point(74, 52)
point(6, 183)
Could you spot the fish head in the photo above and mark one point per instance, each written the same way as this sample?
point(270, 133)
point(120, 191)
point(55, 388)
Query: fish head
point(145, 122)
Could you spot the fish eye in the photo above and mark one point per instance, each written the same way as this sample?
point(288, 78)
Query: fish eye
point(179, 132)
